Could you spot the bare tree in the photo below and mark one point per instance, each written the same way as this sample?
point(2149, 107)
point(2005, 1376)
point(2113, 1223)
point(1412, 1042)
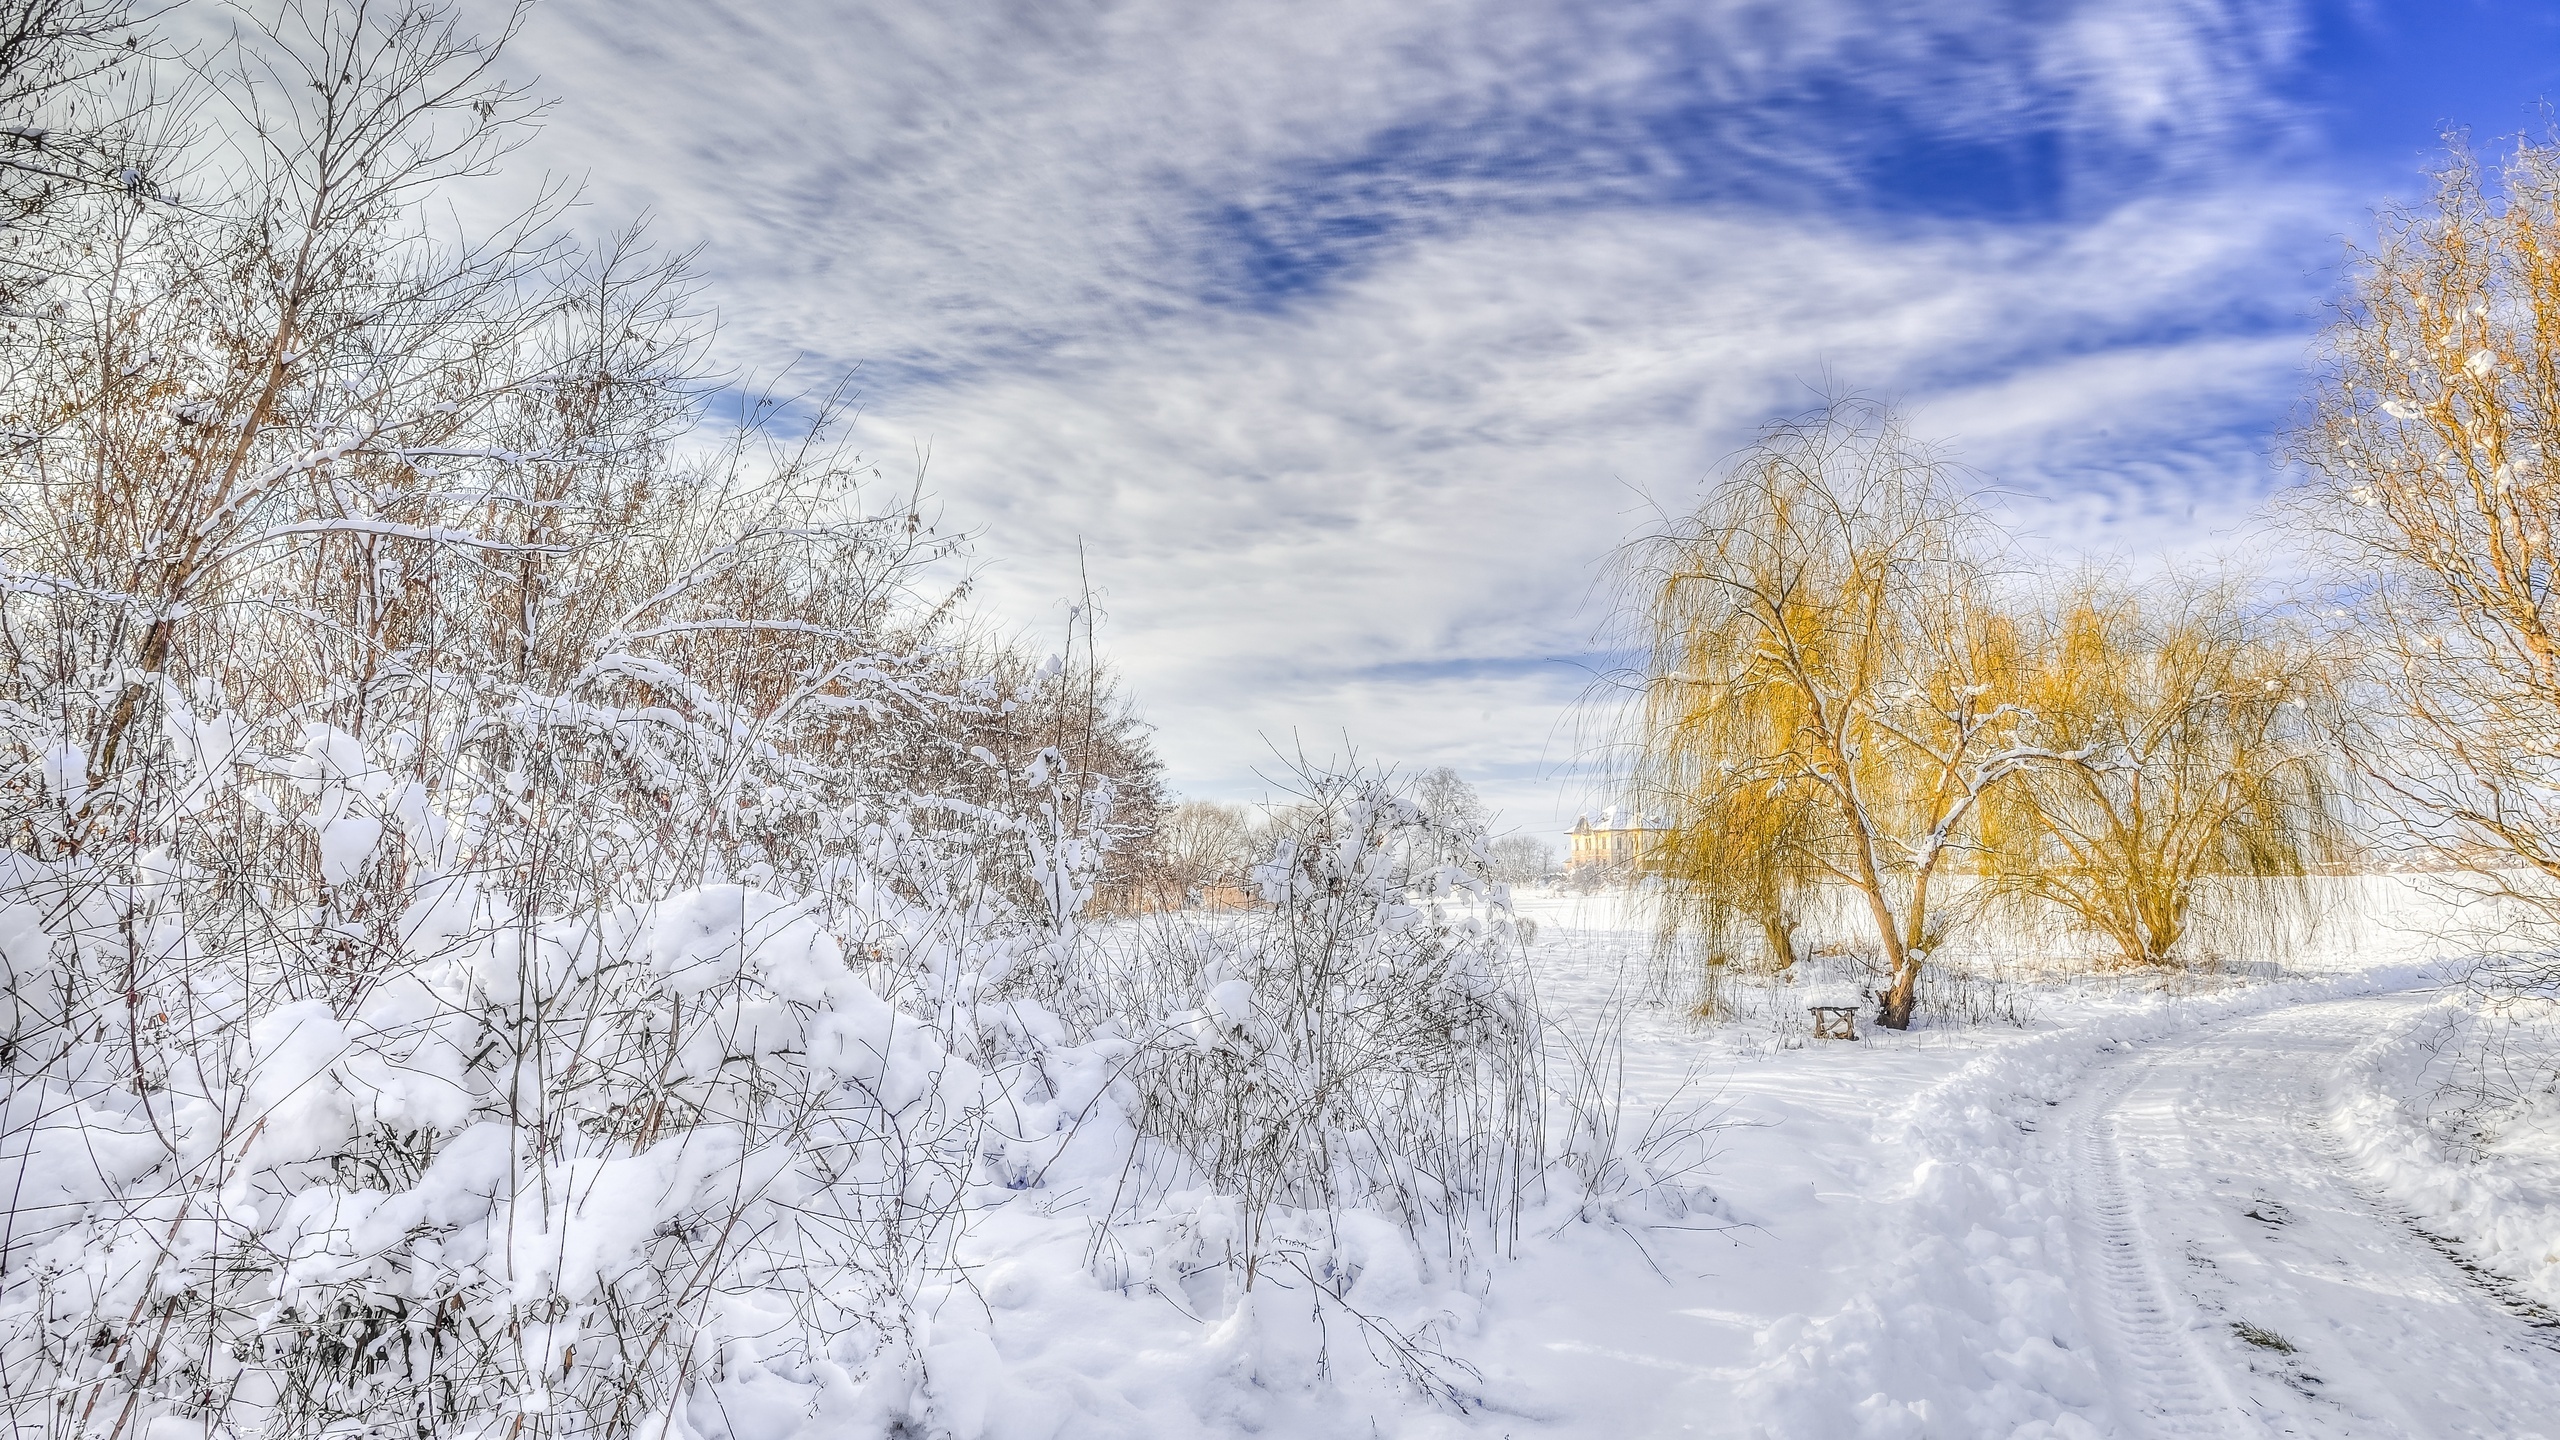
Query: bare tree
point(1522, 860)
point(2434, 438)
point(79, 126)
point(1449, 800)
point(1207, 848)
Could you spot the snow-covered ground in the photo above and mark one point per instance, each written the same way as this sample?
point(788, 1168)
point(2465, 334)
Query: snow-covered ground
point(2315, 1198)
point(2228, 1205)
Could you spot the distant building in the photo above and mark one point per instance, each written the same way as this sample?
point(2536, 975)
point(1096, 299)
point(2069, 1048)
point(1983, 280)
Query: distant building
point(1618, 841)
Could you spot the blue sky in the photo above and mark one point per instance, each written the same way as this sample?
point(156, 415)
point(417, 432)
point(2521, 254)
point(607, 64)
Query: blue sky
point(1350, 339)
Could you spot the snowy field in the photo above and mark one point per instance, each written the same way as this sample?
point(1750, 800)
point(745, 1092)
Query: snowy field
point(2311, 1189)
point(2320, 1202)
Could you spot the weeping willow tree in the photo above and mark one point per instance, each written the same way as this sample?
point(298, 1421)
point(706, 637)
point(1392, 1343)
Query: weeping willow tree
point(1757, 836)
point(1827, 701)
point(2195, 717)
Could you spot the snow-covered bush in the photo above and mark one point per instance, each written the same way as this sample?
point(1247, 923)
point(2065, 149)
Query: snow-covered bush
point(537, 1165)
point(1362, 1040)
point(1608, 1161)
point(488, 940)
point(526, 911)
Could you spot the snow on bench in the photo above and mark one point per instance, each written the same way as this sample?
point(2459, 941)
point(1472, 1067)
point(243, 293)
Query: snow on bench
point(1835, 1010)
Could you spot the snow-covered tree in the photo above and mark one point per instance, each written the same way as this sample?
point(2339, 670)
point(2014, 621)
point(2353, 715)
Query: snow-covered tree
point(1831, 690)
point(2203, 720)
point(482, 898)
point(2435, 446)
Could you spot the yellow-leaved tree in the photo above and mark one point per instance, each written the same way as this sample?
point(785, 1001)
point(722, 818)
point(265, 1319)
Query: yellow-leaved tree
point(2197, 717)
point(1830, 690)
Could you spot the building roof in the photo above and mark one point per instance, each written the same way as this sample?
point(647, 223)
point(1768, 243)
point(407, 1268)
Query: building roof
point(1618, 817)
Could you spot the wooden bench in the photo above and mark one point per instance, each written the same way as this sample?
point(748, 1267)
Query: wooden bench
point(1834, 1022)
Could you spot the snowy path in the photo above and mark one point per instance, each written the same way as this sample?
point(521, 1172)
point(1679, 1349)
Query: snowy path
point(2206, 1204)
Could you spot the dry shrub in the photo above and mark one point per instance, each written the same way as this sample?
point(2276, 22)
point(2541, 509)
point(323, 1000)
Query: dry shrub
point(485, 942)
point(1363, 1038)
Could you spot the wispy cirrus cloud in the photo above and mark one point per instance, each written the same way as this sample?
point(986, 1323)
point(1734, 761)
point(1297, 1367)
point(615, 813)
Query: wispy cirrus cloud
point(1430, 463)
point(945, 187)
point(1350, 339)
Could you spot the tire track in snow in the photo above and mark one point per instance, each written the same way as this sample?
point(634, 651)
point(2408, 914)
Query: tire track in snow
point(2202, 1190)
point(2538, 1317)
point(2160, 1383)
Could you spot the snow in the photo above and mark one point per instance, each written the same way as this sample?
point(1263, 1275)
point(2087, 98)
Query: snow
point(1913, 1256)
point(2057, 1208)
point(1893, 1246)
point(2450, 1111)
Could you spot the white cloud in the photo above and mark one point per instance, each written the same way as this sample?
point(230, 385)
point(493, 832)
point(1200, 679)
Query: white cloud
point(958, 186)
point(1430, 465)
point(1350, 338)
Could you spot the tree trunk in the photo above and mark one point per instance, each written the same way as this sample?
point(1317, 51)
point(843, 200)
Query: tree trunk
point(1779, 934)
point(1893, 1010)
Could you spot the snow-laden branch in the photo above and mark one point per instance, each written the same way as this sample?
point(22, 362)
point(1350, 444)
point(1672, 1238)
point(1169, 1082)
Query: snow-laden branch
point(390, 530)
